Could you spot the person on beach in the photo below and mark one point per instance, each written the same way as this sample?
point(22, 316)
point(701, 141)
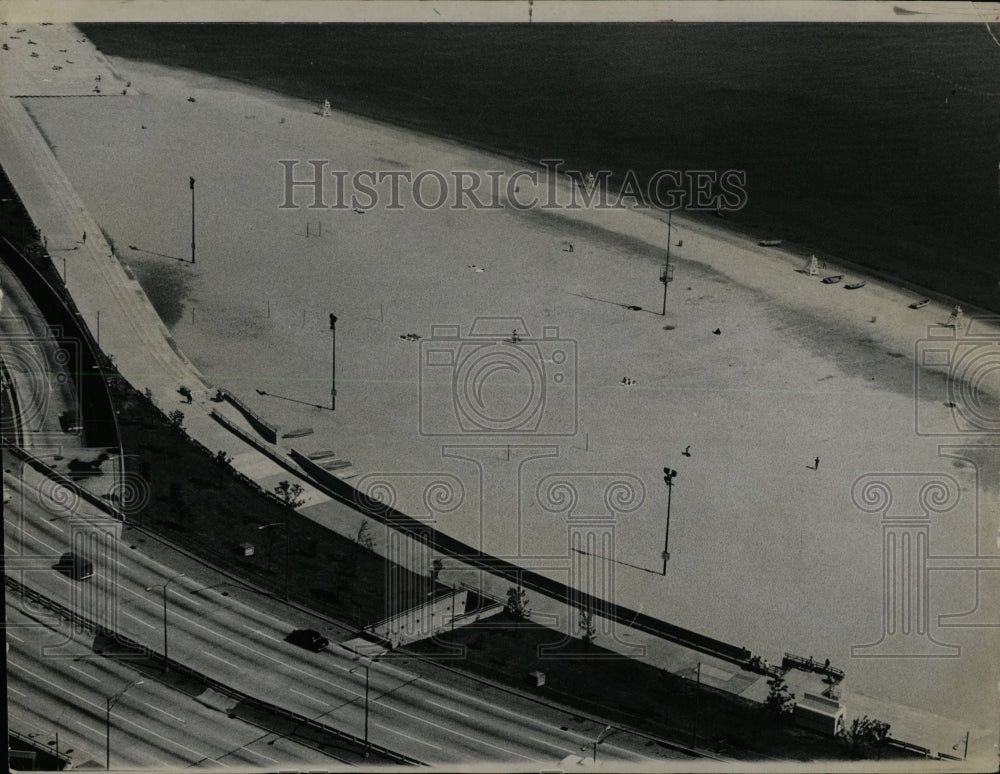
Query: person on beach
point(84, 240)
point(513, 337)
point(816, 464)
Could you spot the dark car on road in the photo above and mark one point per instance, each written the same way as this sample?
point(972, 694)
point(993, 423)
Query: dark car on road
point(310, 639)
point(74, 566)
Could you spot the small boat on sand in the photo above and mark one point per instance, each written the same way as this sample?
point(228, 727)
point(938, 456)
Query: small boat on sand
point(920, 304)
point(770, 243)
point(854, 286)
point(833, 279)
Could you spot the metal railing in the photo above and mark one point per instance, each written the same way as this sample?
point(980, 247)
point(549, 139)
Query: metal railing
point(809, 665)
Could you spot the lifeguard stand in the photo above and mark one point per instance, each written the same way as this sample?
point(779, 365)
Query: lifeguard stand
point(812, 268)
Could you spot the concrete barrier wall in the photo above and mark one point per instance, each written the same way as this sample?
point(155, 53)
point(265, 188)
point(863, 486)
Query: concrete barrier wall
point(268, 431)
point(448, 546)
point(422, 621)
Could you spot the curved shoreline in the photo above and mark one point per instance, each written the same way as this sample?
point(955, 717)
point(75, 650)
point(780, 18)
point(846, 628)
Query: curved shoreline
point(290, 89)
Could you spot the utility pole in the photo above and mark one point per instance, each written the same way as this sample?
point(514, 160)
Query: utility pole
point(668, 271)
point(333, 363)
point(192, 219)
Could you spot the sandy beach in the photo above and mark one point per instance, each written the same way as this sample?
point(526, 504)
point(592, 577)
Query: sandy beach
point(768, 549)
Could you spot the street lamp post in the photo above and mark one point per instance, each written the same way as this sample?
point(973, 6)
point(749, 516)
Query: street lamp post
point(668, 478)
point(366, 667)
point(333, 363)
point(600, 738)
point(270, 546)
point(165, 586)
point(111, 702)
point(192, 219)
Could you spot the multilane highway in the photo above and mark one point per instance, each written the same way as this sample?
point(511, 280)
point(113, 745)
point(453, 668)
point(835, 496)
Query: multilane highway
point(56, 684)
point(244, 649)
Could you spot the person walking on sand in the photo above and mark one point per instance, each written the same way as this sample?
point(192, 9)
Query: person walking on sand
point(84, 240)
point(816, 464)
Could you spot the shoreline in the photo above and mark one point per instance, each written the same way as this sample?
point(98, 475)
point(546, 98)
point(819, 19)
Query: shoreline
point(708, 220)
point(711, 224)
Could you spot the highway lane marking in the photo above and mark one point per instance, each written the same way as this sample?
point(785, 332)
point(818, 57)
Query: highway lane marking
point(260, 755)
point(143, 728)
point(153, 706)
point(451, 730)
point(321, 702)
point(90, 728)
point(338, 687)
point(342, 688)
point(144, 623)
point(306, 673)
point(220, 658)
point(20, 530)
point(527, 720)
point(89, 677)
point(445, 707)
point(467, 697)
point(554, 746)
point(262, 634)
point(313, 676)
point(54, 685)
point(400, 733)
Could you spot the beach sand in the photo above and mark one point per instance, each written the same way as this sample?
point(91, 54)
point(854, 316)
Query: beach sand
point(766, 551)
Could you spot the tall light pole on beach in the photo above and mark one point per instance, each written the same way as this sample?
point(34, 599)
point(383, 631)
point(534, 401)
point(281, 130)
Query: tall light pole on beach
point(192, 219)
point(668, 478)
point(164, 586)
point(668, 271)
point(333, 363)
